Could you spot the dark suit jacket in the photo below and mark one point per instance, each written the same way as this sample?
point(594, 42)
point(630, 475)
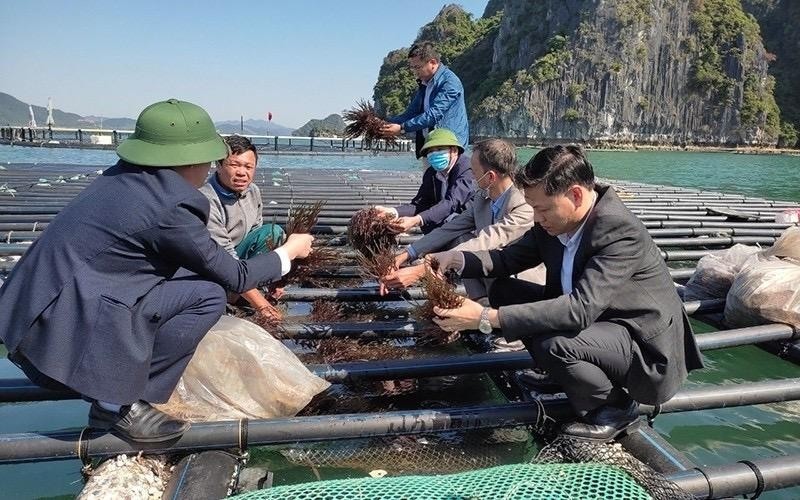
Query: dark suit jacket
point(73, 300)
point(618, 276)
point(429, 202)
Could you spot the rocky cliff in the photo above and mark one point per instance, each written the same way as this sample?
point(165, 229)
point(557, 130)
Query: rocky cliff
point(616, 71)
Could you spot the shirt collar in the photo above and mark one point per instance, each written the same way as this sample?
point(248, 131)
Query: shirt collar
point(223, 191)
point(568, 240)
point(496, 204)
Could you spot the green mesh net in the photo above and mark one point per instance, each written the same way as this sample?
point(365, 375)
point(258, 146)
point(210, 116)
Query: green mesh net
point(518, 481)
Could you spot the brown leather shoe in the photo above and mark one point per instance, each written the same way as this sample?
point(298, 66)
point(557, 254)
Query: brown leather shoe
point(137, 422)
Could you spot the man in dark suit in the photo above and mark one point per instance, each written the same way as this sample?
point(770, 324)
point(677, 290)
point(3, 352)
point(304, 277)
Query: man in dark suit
point(608, 324)
point(99, 304)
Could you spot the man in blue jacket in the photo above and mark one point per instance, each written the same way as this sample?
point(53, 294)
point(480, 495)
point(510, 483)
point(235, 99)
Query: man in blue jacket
point(99, 304)
point(447, 185)
point(437, 103)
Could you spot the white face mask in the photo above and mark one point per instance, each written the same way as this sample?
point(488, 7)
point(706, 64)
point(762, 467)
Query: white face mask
point(486, 189)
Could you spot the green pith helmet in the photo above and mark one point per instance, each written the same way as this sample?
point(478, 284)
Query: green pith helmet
point(173, 133)
point(441, 137)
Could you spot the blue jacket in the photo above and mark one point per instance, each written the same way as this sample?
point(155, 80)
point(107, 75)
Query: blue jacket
point(446, 108)
point(429, 202)
point(73, 303)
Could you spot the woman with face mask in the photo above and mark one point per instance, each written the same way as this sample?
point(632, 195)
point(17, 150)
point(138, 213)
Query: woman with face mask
point(447, 185)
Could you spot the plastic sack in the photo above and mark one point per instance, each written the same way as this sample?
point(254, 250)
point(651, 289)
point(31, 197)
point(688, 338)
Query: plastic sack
point(791, 216)
point(241, 371)
point(715, 273)
point(788, 245)
point(765, 291)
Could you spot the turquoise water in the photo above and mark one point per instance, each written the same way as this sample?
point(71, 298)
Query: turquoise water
point(771, 176)
point(709, 437)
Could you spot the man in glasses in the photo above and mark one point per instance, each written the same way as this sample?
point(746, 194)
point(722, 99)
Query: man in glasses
point(437, 103)
point(497, 216)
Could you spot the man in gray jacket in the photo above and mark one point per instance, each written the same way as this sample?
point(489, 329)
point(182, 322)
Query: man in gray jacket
point(235, 219)
point(497, 216)
point(608, 324)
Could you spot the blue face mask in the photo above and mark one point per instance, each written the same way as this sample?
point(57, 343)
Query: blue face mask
point(439, 160)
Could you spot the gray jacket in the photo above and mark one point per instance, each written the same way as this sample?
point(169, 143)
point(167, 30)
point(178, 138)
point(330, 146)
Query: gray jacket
point(232, 216)
point(618, 276)
point(476, 224)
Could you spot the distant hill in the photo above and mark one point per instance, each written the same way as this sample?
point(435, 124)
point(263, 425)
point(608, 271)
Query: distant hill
point(15, 112)
point(332, 125)
point(254, 127)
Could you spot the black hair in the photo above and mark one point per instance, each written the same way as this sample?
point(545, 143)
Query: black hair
point(424, 51)
point(497, 155)
point(557, 168)
point(238, 145)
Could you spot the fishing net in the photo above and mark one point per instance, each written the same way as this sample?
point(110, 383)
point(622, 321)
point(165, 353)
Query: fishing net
point(565, 449)
point(518, 481)
point(442, 453)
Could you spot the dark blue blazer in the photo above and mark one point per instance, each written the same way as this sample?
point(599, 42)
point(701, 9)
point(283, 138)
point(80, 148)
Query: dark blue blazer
point(429, 202)
point(73, 303)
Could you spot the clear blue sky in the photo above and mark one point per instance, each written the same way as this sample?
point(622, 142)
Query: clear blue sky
point(300, 59)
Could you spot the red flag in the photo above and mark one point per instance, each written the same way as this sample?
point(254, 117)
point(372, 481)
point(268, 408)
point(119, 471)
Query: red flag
point(269, 116)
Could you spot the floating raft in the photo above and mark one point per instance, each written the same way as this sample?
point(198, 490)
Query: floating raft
point(686, 224)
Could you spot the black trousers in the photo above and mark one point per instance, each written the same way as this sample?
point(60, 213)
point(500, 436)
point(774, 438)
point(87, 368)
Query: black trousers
point(591, 365)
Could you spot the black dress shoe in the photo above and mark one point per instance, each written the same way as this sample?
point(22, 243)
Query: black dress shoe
point(137, 422)
point(605, 424)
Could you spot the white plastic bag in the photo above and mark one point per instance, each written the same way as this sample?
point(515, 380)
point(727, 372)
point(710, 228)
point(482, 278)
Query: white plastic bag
point(241, 371)
point(788, 245)
point(715, 273)
point(765, 291)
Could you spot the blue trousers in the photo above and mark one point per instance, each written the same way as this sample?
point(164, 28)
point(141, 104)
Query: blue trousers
point(187, 305)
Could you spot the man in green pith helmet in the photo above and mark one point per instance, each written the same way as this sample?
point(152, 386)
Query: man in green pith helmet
point(447, 185)
point(235, 220)
point(100, 306)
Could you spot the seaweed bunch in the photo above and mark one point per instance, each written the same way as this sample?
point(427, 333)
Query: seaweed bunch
point(339, 350)
point(302, 219)
point(362, 120)
point(326, 311)
point(381, 263)
point(371, 230)
point(440, 292)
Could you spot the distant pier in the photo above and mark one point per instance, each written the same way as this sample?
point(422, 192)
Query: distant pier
point(89, 138)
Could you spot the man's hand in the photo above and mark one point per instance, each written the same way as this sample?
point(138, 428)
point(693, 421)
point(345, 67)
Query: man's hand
point(386, 210)
point(401, 278)
point(403, 224)
point(465, 317)
point(401, 259)
point(298, 246)
point(447, 260)
point(391, 129)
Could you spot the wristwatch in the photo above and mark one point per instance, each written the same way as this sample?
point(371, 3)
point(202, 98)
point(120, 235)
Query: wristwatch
point(484, 326)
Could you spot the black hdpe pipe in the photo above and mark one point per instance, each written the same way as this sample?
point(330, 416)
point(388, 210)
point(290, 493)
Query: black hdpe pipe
point(666, 224)
point(740, 478)
point(718, 241)
point(207, 474)
point(699, 231)
point(21, 389)
point(61, 445)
